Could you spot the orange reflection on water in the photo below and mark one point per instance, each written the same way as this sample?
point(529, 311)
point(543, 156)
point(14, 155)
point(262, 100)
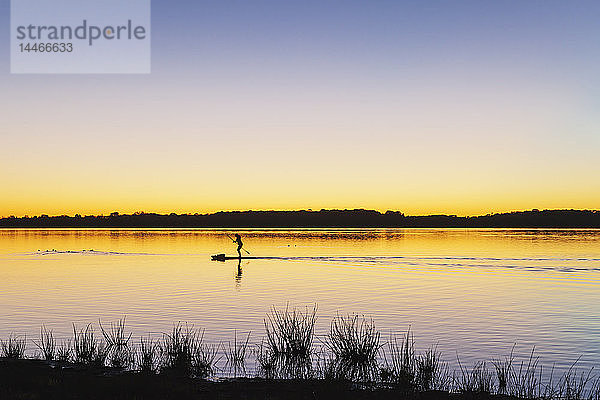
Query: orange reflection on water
point(474, 291)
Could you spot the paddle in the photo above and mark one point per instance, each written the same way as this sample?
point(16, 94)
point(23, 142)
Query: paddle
point(233, 240)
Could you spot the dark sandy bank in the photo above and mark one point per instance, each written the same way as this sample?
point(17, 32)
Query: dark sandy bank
point(35, 379)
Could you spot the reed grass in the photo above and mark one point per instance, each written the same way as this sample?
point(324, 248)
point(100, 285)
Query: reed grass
point(351, 351)
point(178, 347)
point(185, 353)
point(101, 355)
point(149, 355)
point(295, 368)
point(205, 358)
point(503, 369)
point(354, 344)
point(236, 355)
point(64, 352)
point(573, 384)
point(290, 333)
point(326, 368)
point(400, 368)
point(595, 389)
point(526, 381)
point(431, 371)
point(478, 380)
point(278, 366)
point(46, 344)
point(119, 353)
point(287, 350)
point(87, 349)
point(14, 346)
point(266, 361)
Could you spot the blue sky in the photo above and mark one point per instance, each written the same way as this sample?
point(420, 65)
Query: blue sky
point(461, 107)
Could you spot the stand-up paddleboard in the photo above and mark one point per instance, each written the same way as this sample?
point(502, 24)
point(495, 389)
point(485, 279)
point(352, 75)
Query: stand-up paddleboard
point(223, 257)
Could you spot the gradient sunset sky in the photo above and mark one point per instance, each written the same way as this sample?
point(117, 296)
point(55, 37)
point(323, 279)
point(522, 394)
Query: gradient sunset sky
point(463, 107)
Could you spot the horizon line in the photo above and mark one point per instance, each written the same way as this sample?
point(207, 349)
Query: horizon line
point(136, 213)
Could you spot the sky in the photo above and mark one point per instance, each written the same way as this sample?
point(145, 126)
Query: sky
point(428, 107)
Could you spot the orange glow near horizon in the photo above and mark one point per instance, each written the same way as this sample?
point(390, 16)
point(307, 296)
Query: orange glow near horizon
point(430, 196)
point(135, 183)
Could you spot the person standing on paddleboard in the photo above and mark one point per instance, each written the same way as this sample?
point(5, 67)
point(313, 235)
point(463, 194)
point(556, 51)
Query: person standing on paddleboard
point(238, 240)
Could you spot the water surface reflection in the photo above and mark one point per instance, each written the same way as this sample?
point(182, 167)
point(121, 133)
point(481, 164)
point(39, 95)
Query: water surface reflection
point(475, 292)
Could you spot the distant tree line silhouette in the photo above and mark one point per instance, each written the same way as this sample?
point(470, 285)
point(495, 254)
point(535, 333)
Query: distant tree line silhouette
point(357, 218)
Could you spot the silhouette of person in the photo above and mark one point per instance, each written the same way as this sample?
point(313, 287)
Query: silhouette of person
point(238, 240)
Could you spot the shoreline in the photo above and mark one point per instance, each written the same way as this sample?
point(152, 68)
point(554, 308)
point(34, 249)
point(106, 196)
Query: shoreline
point(356, 218)
point(37, 379)
point(288, 364)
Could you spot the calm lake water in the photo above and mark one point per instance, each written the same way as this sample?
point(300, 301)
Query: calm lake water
point(474, 293)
